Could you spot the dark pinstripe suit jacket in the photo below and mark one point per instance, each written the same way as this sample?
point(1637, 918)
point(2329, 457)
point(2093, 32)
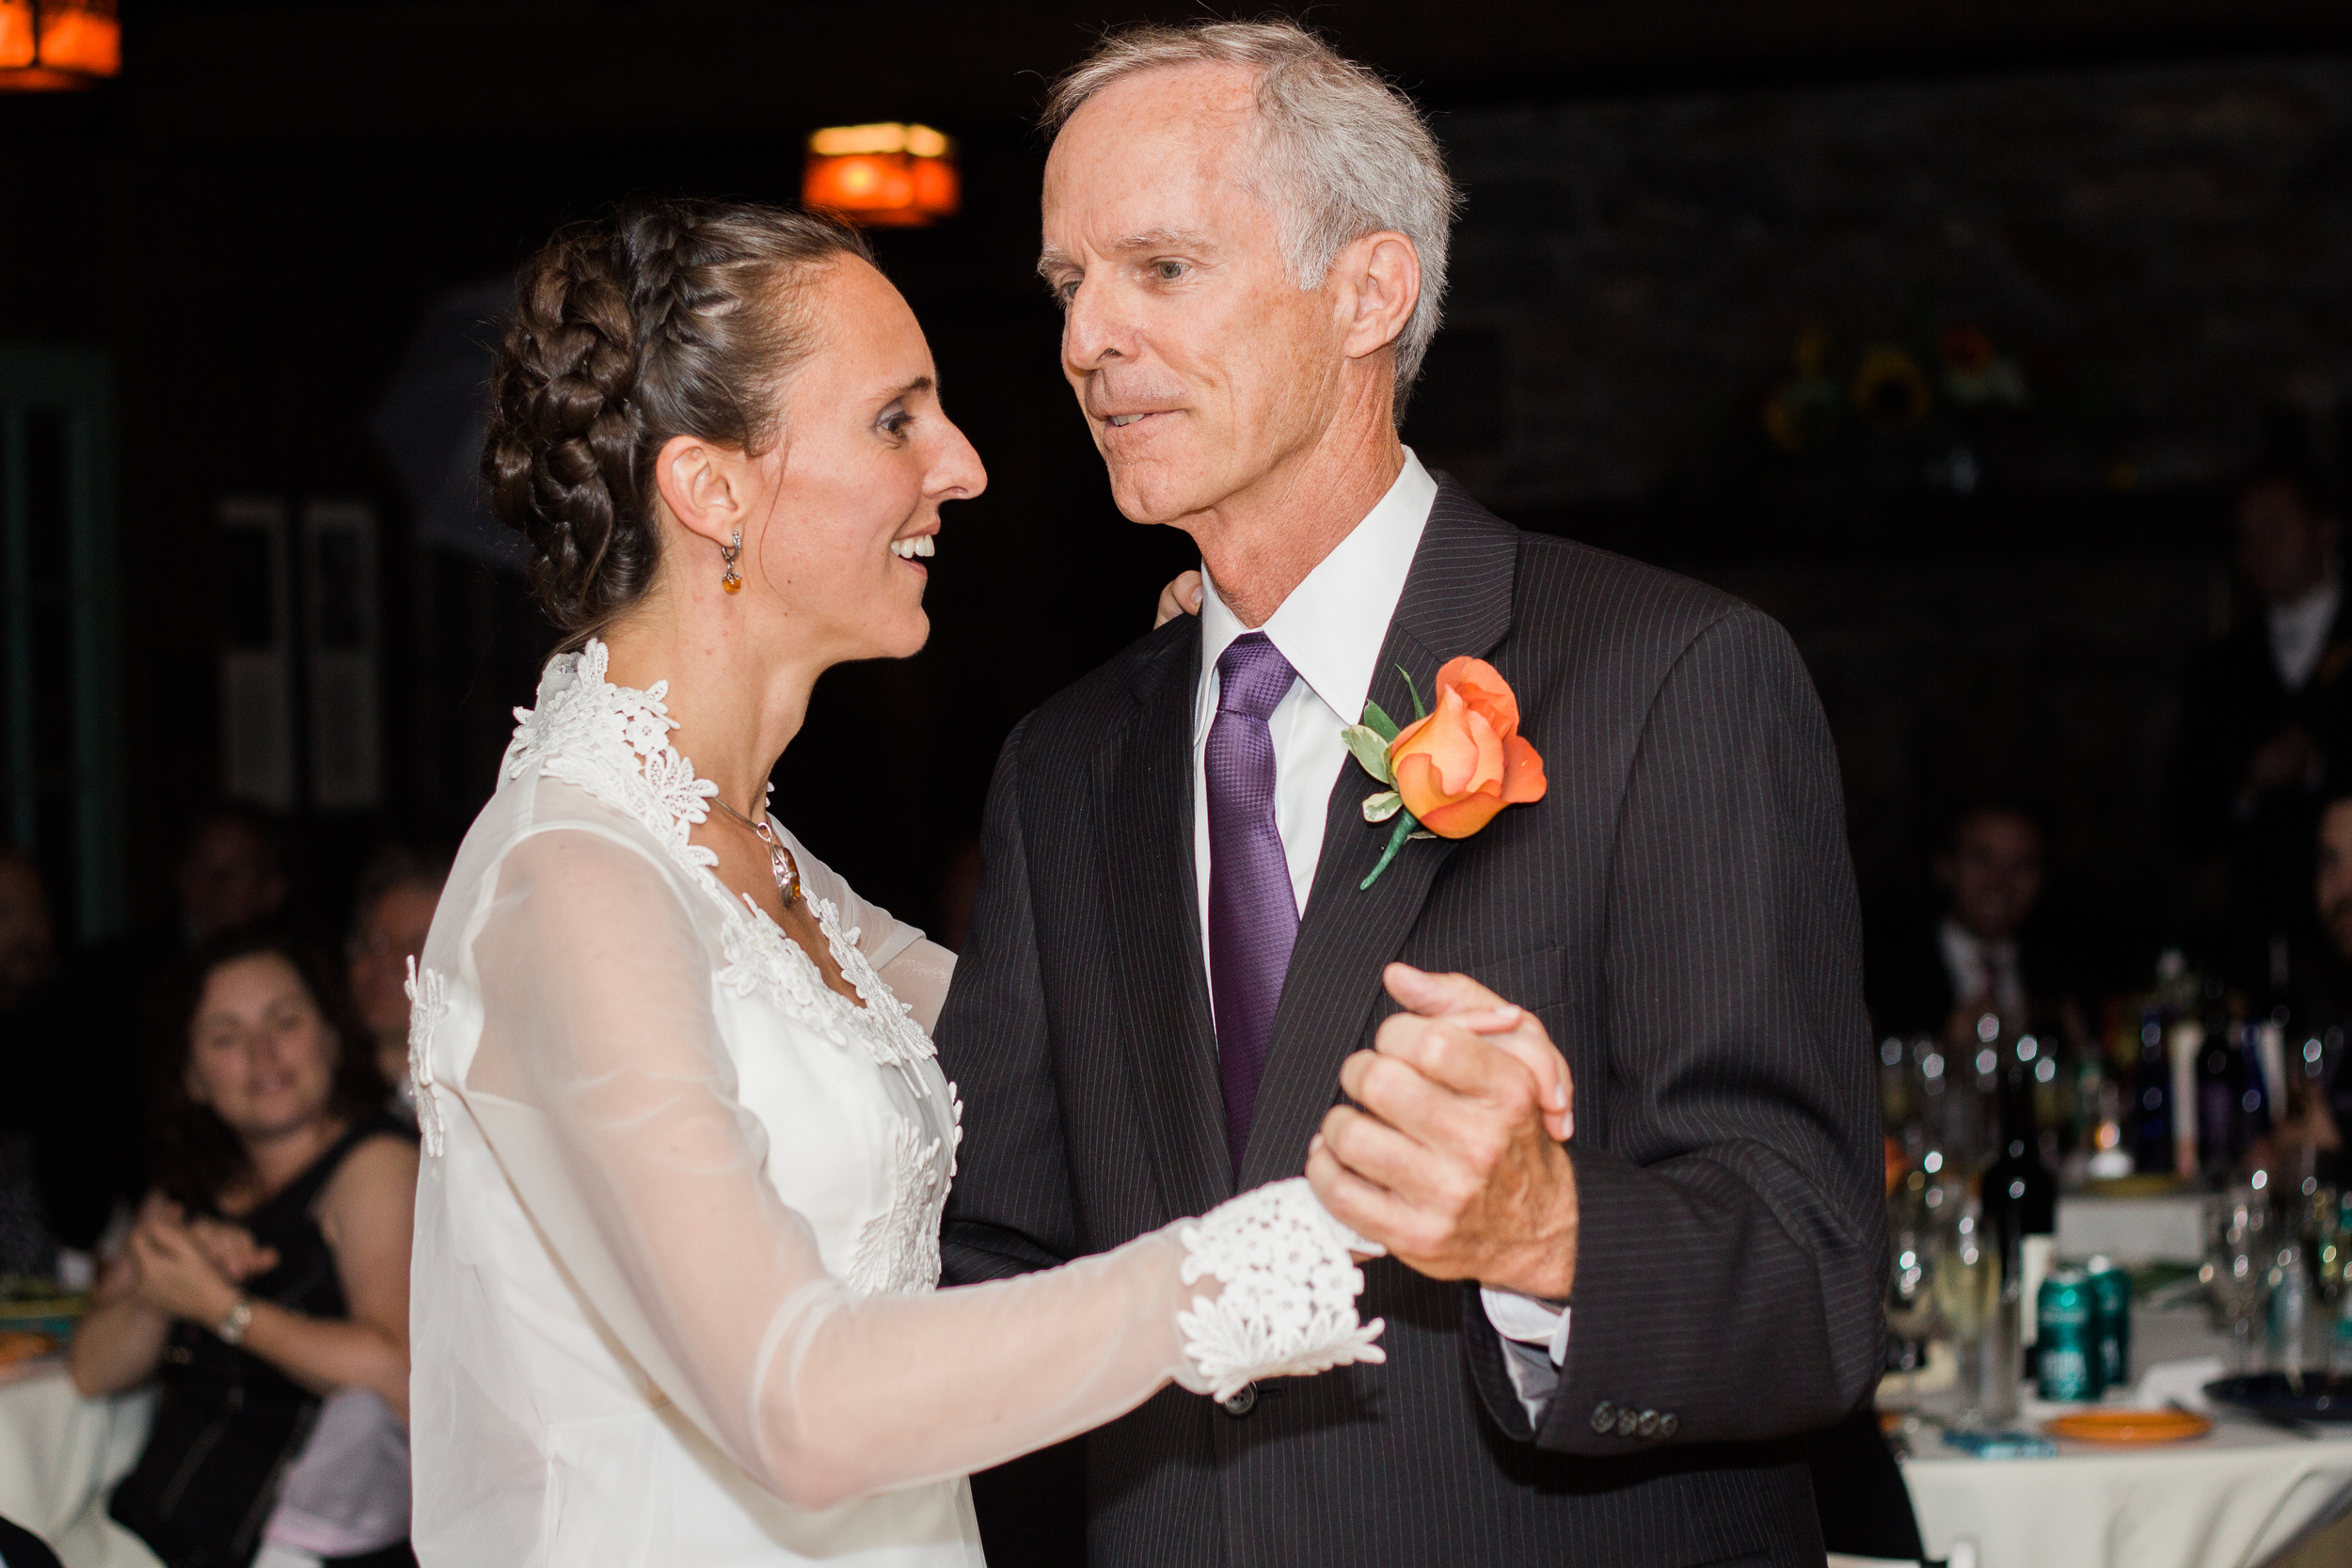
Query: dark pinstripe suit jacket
point(1679, 909)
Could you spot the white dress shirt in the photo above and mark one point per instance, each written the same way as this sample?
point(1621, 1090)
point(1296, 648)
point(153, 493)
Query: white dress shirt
point(1981, 972)
point(1331, 630)
point(2298, 633)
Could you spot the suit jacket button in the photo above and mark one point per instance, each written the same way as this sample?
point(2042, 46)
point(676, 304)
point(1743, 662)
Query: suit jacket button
point(1648, 1425)
point(1244, 1402)
point(1668, 1424)
point(1627, 1420)
point(1604, 1416)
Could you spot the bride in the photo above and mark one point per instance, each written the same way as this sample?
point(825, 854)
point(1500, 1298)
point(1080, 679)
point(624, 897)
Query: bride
point(686, 1144)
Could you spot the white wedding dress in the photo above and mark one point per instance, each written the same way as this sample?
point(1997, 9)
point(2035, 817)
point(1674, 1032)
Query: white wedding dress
point(674, 1298)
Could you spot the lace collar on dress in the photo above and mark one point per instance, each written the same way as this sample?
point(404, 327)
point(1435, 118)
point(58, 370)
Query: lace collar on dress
point(612, 743)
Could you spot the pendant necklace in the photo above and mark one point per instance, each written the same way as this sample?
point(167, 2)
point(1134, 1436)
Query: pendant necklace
point(780, 861)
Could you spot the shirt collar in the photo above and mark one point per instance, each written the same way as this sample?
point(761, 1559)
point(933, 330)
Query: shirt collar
point(1964, 944)
point(2313, 611)
point(1331, 627)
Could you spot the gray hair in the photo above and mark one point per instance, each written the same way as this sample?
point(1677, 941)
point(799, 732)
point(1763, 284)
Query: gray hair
point(1345, 153)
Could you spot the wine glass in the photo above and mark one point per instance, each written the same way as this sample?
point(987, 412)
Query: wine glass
point(2240, 1253)
point(1967, 1294)
point(1911, 1282)
point(2324, 1245)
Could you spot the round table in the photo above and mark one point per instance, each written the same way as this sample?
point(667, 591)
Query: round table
point(2229, 1498)
point(60, 1454)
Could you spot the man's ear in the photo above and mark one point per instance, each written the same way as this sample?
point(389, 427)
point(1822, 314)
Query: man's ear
point(1381, 275)
point(706, 486)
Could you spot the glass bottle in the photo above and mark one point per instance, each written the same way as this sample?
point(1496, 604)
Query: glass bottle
point(2019, 1198)
point(2216, 1097)
point(2340, 1343)
point(2161, 1114)
point(2151, 1087)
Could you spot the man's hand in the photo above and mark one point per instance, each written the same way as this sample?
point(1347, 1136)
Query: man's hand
point(1453, 1161)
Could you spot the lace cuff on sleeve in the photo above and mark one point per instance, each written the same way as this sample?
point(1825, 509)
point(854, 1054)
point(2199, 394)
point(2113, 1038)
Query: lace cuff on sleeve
point(1288, 1306)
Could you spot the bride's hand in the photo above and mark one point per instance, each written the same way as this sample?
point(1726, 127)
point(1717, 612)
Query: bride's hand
point(1182, 596)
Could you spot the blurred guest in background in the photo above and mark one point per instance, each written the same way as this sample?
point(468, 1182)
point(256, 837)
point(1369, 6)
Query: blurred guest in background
point(27, 938)
point(232, 873)
point(2322, 988)
point(269, 1267)
point(67, 1155)
point(1979, 953)
point(2320, 1093)
point(2266, 708)
point(391, 912)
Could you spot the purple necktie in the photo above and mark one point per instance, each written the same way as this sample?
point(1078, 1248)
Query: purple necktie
point(1253, 918)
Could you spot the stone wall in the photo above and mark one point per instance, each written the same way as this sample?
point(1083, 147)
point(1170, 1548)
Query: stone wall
point(1987, 593)
point(2160, 251)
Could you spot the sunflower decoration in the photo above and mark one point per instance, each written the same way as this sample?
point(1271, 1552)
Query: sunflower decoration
point(1890, 390)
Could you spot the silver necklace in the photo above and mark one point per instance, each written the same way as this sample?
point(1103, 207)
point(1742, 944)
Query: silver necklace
point(780, 861)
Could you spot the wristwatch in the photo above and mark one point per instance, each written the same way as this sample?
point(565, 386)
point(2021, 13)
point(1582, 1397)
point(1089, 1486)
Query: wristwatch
point(232, 1328)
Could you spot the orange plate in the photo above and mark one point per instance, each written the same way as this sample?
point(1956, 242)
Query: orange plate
point(18, 1346)
point(2129, 1426)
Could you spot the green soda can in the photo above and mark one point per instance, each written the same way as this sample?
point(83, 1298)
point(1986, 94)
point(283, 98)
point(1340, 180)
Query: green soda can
point(2111, 1292)
point(2068, 1338)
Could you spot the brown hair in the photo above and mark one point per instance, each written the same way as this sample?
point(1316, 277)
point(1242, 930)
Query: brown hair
point(198, 1156)
point(666, 318)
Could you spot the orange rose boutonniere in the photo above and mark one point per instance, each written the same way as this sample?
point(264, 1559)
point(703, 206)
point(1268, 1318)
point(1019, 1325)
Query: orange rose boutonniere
point(1450, 771)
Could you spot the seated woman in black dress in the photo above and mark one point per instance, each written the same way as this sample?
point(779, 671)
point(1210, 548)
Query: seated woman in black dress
point(275, 1162)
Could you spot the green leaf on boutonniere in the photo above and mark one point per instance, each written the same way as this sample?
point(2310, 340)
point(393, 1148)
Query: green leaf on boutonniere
point(1420, 709)
point(1368, 742)
point(1369, 748)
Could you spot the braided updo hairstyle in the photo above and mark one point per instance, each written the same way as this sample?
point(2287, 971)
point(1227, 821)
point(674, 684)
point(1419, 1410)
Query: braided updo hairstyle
point(666, 318)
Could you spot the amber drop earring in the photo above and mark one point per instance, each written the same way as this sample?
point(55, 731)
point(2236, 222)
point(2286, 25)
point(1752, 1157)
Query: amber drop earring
point(731, 582)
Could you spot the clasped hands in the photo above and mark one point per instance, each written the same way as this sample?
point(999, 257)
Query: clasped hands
point(188, 1268)
point(1450, 1155)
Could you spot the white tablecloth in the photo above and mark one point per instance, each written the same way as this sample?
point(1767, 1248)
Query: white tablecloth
point(2229, 1498)
point(2133, 1230)
point(60, 1454)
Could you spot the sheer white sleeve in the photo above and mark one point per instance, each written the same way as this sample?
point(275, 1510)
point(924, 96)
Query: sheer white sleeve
point(917, 969)
point(610, 1099)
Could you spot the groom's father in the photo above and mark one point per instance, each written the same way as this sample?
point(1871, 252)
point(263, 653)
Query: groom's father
point(1173, 955)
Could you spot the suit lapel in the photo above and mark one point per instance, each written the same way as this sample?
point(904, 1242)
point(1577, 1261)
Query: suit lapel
point(1456, 601)
point(1163, 990)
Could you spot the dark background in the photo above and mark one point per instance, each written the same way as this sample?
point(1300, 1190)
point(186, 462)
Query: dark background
point(2145, 204)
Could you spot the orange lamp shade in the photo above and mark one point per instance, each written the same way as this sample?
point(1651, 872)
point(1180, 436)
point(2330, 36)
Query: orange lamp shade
point(83, 39)
point(882, 175)
point(50, 44)
point(18, 38)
